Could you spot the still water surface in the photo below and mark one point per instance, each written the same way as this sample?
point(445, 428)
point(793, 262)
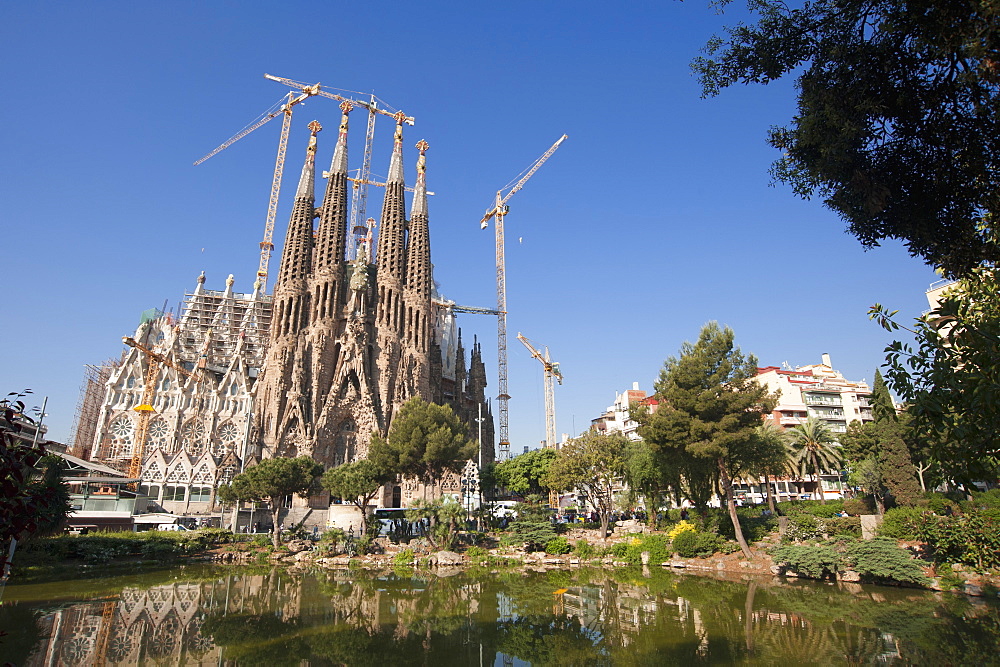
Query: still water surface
point(224, 616)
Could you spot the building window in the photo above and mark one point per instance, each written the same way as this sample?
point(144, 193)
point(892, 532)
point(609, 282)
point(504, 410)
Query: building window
point(174, 493)
point(151, 491)
point(201, 494)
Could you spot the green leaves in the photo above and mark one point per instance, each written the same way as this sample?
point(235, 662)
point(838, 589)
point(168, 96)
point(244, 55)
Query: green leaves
point(275, 478)
point(424, 441)
point(523, 474)
point(898, 115)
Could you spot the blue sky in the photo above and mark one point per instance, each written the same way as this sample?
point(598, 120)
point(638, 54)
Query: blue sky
point(654, 217)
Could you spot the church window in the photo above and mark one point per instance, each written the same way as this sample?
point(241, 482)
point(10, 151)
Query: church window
point(130, 382)
point(193, 437)
point(122, 429)
point(159, 435)
point(201, 494)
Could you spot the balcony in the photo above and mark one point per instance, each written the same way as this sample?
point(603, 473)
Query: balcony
point(822, 399)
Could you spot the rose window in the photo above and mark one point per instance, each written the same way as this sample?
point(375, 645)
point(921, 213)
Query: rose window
point(193, 438)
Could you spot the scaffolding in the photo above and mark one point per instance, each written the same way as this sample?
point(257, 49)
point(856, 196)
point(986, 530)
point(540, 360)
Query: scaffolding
point(88, 407)
point(231, 319)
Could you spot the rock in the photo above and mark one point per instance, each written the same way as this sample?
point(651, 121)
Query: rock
point(678, 564)
point(446, 559)
point(972, 589)
point(574, 561)
point(302, 555)
point(553, 561)
point(644, 557)
point(849, 576)
point(777, 569)
point(295, 546)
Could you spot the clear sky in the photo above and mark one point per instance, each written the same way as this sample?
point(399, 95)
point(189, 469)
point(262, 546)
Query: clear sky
point(654, 217)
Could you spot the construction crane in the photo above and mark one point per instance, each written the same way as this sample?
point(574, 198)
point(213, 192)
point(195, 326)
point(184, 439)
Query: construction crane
point(145, 408)
point(499, 211)
point(455, 308)
point(359, 196)
point(285, 110)
point(552, 372)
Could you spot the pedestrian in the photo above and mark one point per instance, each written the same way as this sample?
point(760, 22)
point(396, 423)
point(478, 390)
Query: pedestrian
point(684, 514)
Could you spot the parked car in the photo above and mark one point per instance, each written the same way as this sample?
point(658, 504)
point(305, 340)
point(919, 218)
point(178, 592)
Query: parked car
point(170, 527)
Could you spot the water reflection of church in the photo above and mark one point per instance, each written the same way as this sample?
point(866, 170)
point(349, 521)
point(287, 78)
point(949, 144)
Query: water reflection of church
point(161, 624)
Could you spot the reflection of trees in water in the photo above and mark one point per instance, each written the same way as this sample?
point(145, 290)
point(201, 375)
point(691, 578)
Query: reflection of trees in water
point(623, 617)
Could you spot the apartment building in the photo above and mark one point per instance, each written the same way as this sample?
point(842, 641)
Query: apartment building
point(816, 390)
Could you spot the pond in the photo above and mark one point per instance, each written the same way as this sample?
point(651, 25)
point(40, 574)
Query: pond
point(201, 615)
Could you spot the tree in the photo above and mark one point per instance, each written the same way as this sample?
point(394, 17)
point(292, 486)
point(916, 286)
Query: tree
point(814, 450)
point(357, 483)
point(883, 409)
point(425, 441)
point(950, 379)
point(645, 475)
point(709, 408)
point(522, 475)
point(272, 480)
point(592, 462)
point(770, 457)
point(898, 122)
point(33, 497)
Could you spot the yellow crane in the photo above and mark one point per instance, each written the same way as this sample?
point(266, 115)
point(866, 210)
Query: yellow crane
point(552, 372)
point(499, 211)
point(145, 408)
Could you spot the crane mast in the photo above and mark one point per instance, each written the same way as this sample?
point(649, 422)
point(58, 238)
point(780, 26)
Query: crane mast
point(552, 372)
point(498, 212)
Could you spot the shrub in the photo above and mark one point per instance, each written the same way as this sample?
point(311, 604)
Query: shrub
point(901, 523)
point(972, 539)
point(617, 550)
point(827, 511)
point(584, 549)
point(707, 544)
point(857, 507)
point(686, 544)
point(882, 560)
point(680, 528)
point(941, 504)
point(803, 527)
point(477, 553)
point(818, 562)
point(849, 526)
point(658, 547)
point(557, 546)
point(404, 557)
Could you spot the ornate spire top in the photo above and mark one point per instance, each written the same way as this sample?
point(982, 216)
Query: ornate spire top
point(396, 164)
point(339, 164)
point(308, 178)
point(200, 287)
point(420, 191)
point(201, 278)
point(229, 282)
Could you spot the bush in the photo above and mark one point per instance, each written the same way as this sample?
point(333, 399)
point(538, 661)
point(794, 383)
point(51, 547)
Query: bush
point(849, 526)
point(686, 544)
point(680, 528)
point(617, 550)
point(972, 539)
point(901, 523)
point(881, 560)
point(817, 562)
point(658, 547)
point(404, 557)
point(707, 544)
point(941, 504)
point(584, 549)
point(477, 553)
point(857, 507)
point(557, 546)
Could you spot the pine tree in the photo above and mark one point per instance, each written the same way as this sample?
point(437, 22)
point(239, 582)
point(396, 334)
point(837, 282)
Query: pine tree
point(709, 409)
point(883, 409)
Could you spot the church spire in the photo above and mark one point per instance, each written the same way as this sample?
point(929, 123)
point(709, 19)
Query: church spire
point(296, 256)
point(418, 248)
point(390, 254)
point(331, 239)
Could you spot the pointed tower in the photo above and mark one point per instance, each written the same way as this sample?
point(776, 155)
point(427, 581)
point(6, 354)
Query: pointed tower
point(283, 394)
point(390, 262)
point(328, 285)
point(418, 286)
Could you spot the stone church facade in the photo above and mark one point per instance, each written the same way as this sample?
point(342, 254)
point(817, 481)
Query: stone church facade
point(314, 369)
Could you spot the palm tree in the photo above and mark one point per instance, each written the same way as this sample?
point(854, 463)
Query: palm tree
point(813, 449)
